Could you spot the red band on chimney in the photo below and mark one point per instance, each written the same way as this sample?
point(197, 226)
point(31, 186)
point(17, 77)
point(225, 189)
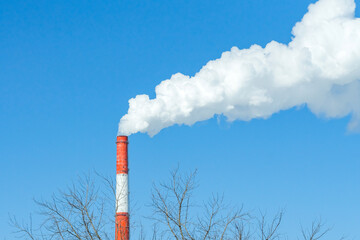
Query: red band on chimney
point(122, 226)
point(122, 154)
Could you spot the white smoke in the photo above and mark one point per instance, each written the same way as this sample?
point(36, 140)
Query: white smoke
point(320, 67)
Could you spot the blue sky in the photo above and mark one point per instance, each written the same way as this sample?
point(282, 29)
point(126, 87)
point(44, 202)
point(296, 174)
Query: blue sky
point(67, 70)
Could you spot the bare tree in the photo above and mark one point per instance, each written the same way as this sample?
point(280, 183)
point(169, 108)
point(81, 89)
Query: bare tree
point(80, 212)
point(173, 207)
point(182, 219)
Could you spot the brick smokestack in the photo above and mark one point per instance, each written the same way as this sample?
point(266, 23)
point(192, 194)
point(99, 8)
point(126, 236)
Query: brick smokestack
point(122, 189)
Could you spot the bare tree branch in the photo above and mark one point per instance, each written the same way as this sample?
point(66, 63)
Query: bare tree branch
point(316, 231)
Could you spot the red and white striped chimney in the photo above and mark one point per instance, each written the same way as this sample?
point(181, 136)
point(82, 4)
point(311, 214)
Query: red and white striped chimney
point(122, 189)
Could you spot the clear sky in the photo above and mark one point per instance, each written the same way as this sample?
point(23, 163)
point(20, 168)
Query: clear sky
point(68, 68)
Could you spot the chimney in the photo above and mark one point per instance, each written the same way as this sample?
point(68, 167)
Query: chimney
point(122, 189)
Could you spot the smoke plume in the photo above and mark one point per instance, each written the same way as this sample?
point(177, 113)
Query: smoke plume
point(320, 68)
